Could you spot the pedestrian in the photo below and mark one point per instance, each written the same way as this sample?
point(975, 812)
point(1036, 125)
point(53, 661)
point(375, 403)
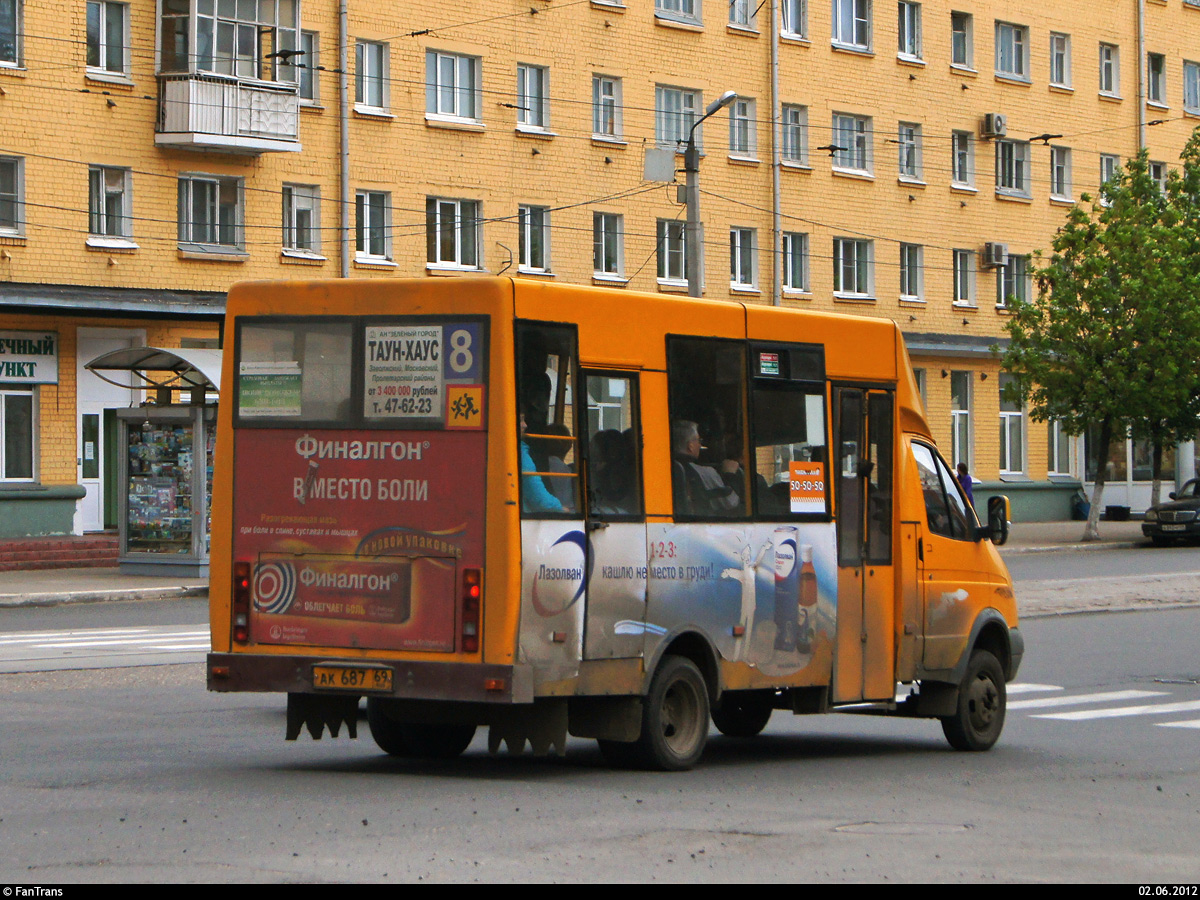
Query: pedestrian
point(966, 482)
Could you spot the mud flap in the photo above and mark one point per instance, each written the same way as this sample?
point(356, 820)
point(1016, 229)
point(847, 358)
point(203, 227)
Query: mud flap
point(316, 712)
point(544, 727)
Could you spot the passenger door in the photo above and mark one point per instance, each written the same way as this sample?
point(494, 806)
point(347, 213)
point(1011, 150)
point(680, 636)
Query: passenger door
point(864, 429)
point(615, 518)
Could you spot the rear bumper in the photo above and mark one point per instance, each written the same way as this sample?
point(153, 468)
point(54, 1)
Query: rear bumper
point(455, 682)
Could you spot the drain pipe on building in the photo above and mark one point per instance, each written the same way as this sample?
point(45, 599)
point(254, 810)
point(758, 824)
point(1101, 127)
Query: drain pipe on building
point(344, 136)
point(776, 163)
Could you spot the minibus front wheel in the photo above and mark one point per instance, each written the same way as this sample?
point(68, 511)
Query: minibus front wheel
point(982, 699)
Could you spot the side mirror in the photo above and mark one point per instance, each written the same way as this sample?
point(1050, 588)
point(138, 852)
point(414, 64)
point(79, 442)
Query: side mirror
point(999, 512)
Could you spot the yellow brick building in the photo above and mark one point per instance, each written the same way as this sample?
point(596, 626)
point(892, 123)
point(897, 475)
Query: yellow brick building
point(883, 158)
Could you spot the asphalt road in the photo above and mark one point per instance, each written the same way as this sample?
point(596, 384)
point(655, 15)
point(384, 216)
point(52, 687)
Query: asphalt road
point(140, 775)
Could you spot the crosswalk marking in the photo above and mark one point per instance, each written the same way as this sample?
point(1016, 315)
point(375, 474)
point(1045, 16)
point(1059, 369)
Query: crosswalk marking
point(1120, 711)
point(1190, 723)
point(1029, 687)
point(100, 647)
point(1103, 697)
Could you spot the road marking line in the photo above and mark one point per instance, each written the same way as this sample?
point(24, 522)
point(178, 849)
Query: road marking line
point(1029, 687)
point(1107, 696)
point(1117, 712)
point(25, 637)
point(126, 642)
point(1190, 723)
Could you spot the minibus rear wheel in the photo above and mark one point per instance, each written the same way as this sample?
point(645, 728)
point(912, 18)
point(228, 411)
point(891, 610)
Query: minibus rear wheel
point(416, 740)
point(674, 717)
point(982, 699)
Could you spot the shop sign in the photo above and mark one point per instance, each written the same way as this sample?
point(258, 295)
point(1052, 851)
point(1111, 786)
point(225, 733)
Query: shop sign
point(28, 357)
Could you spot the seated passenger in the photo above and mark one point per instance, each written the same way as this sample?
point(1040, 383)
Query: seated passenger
point(699, 489)
point(535, 498)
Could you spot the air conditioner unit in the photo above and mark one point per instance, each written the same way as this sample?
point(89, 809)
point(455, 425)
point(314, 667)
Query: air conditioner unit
point(995, 255)
point(994, 125)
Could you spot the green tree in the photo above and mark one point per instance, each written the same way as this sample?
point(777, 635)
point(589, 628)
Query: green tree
point(1112, 339)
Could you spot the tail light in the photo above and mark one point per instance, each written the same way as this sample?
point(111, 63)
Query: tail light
point(241, 601)
point(472, 600)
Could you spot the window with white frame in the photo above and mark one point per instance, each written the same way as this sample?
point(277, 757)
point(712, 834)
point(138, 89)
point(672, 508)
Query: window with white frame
point(853, 262)
point(919, 376)
point(533, 97)
point(606, 107)
point(962, 40)
point(1158, 172)
point(960, 417)
point(230, 38)
point(795, 261)
point(107, 37)
point(794, 18)
point(909, 140)
point(533, 238)
point(675, 110)
point(741, 128)
point(672, 256)
point(962, 152)
point(852, 143)
point(371, 75)
point(742, 249)
point(1012, 168)
point(1191, 87)
point(302, 218)
point(20, 434)
point(964, 277)
point(1058, 449)
point(1156, 78)
point(452, 86)
point(373, 226)
point(741, 13)
point(912, 272)
point(210, 213)
point(1012, 430)
point(687, 11)
point(452, 233)
point(1110, 71)
point(1110, 167)
point(1012, 51)
point(12, 195)
point(608, 252)
point(1013, 281)
point(11, 34)
point(109, 202)
point(308, 65)
point(1060, 173)
point(852, 24)
point(794, 128)
point(1060, 59)
point(909, 30)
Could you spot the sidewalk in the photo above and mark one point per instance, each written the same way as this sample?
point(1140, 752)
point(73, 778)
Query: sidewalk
point(46, 587)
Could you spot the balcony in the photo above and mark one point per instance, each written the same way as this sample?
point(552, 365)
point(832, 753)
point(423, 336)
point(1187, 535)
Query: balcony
point(227, 115)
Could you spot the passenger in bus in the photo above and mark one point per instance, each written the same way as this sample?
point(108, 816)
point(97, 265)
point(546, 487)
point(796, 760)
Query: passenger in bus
point(549, 452)
point(535, 497)
point(611, 474)
point(699, 490)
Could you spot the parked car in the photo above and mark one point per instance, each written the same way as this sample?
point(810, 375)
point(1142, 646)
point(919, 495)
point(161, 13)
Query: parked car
point(1180, 518)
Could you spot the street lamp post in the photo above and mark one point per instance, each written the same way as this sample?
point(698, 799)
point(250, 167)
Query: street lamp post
point(691, 170)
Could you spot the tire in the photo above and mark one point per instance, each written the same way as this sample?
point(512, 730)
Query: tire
point(742, 714)
point(416, 740)
point(674, 718)
point(982, 701)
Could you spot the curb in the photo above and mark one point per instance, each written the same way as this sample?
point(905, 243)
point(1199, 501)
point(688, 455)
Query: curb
point(125, 595)
point(1091, 545)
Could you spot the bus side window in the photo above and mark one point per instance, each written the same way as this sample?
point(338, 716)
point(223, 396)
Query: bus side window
point(788, 438)
point(944, 506)
point(549, 457)
point(706, 386)
point(614, 484)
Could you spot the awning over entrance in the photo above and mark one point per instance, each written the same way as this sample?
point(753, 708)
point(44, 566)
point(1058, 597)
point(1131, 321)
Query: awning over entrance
point(178, 369)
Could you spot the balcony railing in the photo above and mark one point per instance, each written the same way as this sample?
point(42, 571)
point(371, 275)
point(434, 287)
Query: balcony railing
point(223, 113)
